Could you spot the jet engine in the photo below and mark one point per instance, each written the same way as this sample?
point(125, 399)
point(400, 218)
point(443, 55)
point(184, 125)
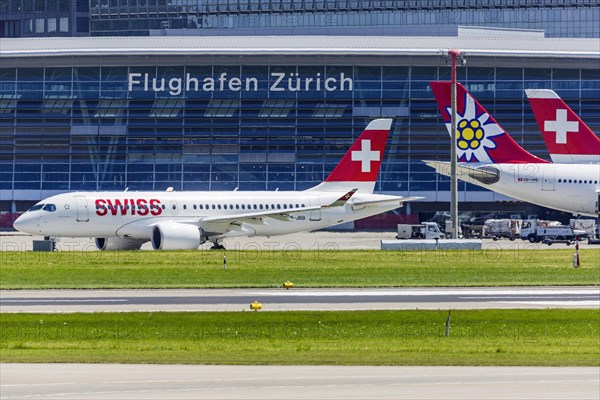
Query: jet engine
point(177, 236)
point(118, 243)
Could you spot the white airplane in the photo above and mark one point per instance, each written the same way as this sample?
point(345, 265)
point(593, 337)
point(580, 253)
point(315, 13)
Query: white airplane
point(568, 139)
point(490, 158)
point(184, 220)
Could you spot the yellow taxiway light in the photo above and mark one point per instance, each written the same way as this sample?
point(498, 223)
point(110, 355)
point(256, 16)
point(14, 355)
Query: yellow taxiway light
point(288, 285)
point(256, 306)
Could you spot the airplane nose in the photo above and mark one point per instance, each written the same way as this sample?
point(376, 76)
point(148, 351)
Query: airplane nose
point(24, 223)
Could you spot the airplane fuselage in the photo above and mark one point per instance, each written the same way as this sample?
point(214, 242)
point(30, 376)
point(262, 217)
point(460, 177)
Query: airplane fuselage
point(133, 214)
point(184, 220)
point(572, 188)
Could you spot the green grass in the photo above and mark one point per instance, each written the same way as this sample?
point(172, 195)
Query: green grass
point(477, 337)
point(204, 269)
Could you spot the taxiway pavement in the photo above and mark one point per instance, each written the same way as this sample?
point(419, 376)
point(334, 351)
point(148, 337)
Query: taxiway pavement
point(315, 241)
point(117, 381)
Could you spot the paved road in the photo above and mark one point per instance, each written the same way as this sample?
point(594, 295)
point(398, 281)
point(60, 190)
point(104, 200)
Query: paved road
point(320, 240)
point(296, 299)
point(106, 381)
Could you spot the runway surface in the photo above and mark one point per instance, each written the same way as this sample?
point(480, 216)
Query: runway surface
point(53, 301)
point(106, 381)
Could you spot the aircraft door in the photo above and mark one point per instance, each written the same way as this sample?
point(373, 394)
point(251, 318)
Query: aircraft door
point(316, 214)
point(548, 180)
point(83, 213)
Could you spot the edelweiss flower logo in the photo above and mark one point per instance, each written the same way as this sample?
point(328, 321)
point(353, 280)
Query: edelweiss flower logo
point(474, 133)
point(469, 134)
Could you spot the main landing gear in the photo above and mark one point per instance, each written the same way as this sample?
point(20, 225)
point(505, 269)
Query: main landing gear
point(217, 245)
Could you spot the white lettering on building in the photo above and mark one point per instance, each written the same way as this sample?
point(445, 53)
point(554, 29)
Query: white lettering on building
point(279, 82)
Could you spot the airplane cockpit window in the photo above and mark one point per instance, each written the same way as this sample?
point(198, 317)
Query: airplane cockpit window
point(49, 207)
point(36, 207)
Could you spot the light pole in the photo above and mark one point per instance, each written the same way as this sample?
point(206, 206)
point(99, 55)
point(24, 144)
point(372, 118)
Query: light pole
point(453, 54)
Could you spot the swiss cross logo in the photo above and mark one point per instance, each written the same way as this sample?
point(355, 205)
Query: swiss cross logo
point(561, 126)
point(365, 155)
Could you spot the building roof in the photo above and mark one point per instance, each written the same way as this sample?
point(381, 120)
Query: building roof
point(496, 43)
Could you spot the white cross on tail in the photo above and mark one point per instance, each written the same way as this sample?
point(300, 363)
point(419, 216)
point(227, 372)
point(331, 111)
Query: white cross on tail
point(365, 155)
point(561, 126)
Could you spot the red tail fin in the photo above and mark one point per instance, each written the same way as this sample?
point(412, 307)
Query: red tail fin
point(479, 138)
point(567, 137)
point(360, 165)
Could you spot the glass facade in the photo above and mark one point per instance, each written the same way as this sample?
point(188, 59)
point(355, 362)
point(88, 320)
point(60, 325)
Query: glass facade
point(558, 18)
point(37, 18)
point(252, 127)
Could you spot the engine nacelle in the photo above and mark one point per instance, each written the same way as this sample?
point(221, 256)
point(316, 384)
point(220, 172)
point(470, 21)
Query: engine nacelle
point(176, 236)
point(118, 243)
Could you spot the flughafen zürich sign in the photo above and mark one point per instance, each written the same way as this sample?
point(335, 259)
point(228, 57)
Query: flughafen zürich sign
point(278, 82)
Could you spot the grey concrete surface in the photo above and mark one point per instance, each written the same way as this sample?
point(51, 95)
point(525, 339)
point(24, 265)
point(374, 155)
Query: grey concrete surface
point(115, 381)
point(321, 240)
point(53, 301)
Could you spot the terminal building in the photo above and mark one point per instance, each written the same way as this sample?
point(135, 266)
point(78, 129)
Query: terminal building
point(222, 105)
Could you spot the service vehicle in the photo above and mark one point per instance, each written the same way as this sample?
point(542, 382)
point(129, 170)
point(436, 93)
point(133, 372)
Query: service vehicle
point(426, 230)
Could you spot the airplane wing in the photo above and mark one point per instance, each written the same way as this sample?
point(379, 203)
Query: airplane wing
point(282, 215)
point(485, 174)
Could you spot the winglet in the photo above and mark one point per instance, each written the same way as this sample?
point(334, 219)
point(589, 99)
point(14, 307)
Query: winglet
point(342, 200)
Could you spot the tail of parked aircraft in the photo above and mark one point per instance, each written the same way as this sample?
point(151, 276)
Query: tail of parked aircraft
point(568, 138)
point(359, 167)
point(479, 138)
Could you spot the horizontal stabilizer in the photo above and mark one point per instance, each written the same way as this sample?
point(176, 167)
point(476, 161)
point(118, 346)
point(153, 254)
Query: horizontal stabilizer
point(391, 199)
point(476, 174)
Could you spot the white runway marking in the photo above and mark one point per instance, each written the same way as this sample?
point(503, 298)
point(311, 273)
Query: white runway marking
point(69, 300)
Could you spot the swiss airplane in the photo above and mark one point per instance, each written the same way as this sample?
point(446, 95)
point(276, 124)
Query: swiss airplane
point(568, 139)
point(184, 220)
point(490, 158)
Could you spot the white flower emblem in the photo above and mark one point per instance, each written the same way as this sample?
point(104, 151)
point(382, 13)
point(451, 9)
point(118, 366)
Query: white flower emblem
point(474, 133)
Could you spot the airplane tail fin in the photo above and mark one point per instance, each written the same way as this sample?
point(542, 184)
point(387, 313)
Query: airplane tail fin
point(359, 167)
point(479, 138)
point(567, 137)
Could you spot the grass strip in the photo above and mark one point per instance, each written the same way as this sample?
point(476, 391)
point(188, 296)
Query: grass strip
point(523, 265)
point(552, 337)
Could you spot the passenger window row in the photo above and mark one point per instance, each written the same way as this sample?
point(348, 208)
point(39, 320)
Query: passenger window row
point(584, 181)
point(51, 207)
point(271, 206)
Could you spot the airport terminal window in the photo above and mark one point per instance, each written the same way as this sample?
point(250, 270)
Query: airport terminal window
point(294, 151)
